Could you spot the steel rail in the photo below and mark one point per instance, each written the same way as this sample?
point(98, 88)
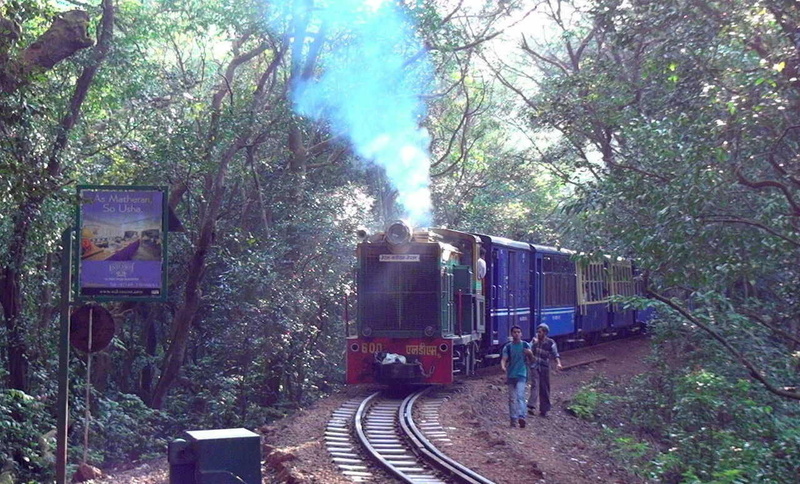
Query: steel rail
point(455, 470)
point(342, 444)
point(386, 445)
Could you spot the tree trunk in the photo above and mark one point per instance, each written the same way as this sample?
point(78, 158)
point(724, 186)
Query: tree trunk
point(47, 305)
point(150, 343)
point(11, 296)
point(11, 282)
point(17, 350)
point(67, 35)
point(181, 325)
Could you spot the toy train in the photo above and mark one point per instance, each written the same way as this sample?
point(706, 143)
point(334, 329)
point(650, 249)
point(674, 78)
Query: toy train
point(424, 313)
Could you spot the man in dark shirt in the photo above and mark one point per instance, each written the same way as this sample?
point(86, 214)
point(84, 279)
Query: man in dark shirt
point(544, 349)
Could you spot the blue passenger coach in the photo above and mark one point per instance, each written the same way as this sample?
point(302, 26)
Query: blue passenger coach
point(508, 273)
point(553, 290)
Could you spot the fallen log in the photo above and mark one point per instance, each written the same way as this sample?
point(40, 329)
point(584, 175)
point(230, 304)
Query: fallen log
point(581, 363)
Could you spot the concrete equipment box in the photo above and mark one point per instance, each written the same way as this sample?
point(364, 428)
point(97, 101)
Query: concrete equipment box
point(220, 456)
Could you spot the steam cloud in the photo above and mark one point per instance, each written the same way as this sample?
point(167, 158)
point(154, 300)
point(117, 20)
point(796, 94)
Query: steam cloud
point(370, 88)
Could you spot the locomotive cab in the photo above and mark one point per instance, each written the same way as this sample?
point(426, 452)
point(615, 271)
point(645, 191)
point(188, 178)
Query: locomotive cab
point(409, 310)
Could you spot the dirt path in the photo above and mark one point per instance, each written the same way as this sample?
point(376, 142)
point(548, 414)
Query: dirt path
point(553, 449)
point(556, 449)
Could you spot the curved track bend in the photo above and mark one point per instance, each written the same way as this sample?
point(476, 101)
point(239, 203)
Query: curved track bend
point(380, 431)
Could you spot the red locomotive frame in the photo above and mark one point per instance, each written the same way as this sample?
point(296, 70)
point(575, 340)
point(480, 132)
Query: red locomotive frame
point(433, 356)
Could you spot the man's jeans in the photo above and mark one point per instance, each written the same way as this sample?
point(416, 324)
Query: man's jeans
point(516, 398)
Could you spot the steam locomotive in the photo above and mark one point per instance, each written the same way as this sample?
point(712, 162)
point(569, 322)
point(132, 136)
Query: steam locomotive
point(424, 313)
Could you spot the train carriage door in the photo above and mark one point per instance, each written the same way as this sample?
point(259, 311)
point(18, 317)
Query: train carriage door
point(593, 297)
point(621, 276)
point(538, 297)
point(513, 284)
point(524, 293)
point(493, 294)
point(500, 294)
point(548, 291)
point(570, 284)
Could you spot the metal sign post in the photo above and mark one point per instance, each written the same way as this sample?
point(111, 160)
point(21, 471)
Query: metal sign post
point(63, 357)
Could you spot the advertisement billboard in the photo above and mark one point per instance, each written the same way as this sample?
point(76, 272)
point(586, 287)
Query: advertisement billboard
point(122, 250)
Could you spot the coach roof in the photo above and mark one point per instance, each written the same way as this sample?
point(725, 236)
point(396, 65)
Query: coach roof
point(503, 242)
point(551, 250)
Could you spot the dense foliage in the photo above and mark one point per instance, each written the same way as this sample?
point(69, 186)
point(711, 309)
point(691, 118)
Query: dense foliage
point(677, 124)
point(197, 96)
point(694, 419)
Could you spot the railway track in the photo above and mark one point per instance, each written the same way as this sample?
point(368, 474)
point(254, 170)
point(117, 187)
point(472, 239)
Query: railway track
point(382, 435)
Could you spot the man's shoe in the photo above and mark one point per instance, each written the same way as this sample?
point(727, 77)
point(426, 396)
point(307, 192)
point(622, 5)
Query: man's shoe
point(513, 423)
point(531, 411)
point(522, 423)
point(543, 414)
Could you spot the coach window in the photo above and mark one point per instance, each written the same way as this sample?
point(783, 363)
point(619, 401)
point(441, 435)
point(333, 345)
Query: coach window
point(593, 282)
point(557, 281)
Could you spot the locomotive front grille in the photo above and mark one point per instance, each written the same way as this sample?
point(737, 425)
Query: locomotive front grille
point(400, 296)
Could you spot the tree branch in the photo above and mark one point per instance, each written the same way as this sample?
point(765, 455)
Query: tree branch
point(744, 361)
point(780, 332)
point(67, 34)
point(769, 184)
point(752, 223)
point(104, 36)
point(778, 166)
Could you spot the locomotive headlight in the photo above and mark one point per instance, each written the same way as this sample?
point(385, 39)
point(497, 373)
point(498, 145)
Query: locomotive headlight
point(398, 233)
point(429, 331)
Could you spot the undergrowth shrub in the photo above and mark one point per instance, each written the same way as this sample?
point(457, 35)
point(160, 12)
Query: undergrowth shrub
point(697, 418)
point(220, 402)
point(587, 401)
point(629, 451)
point(25, 451)
point(122, 429)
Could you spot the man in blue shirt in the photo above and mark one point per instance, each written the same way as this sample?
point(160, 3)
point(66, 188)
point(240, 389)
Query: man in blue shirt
point(516, 357)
